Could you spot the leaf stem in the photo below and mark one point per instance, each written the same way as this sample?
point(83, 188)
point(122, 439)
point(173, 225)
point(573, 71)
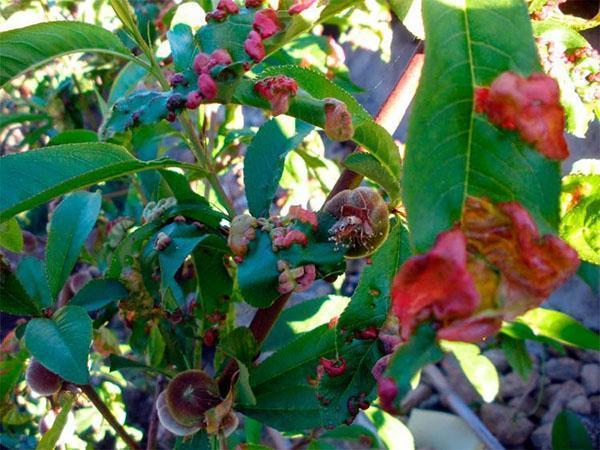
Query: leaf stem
point(93, 396)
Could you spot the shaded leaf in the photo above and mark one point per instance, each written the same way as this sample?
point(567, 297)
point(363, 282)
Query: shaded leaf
point(517, 356)
point(71, 223)
point(14, 298)
point(31, 272)
point(568, 433)
point(182, 45)
point(11, 237)
point(98, 293)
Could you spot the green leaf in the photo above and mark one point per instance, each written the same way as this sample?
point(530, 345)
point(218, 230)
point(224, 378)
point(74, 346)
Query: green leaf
point(69, 335)
point(12, 369)
point(14, 298)
point(392, 432)
point(560, 327)
point(239, 344)
point(353, 434)
point(11, 237)
point(451, 151)
point(182, 45)
point(590, 273)
point(422, 349)
point(368, 166)
point(263, 163)
point(517, 356)
point(98, 293)
point(309, 107)
point(303, 317)
point(478, 369)
point(51, 437)
point(31, 272)
point(198, 441)
point(73, 137)
point(74, 166)
point(71, 223)
point(8, 119)
point(26, 48)
point(126, 81)
point(156, 347)
point(580, 222)
point(568, 433)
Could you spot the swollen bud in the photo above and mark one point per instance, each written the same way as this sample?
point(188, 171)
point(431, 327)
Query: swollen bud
point(338, 120)
point(189, 395)
point(363, 220)
point(41, 380)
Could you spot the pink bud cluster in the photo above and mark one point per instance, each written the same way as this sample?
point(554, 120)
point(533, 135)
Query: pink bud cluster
point(224, 9)
point(277, 91)
point(265, 25)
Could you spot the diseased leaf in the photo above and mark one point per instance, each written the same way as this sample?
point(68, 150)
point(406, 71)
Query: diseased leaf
point(69, 334)
point(73, 166)
point(451, 151)
point(126, 81)
point(182, 45)
point(263, 163)
point(71, 223)
point(29, 47)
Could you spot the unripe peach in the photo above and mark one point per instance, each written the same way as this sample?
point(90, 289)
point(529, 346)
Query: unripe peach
point(189, 395)
point(363, 220)
point(41, 380)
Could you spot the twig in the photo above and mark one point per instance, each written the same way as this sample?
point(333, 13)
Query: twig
point(153, 427)
point(93, 396)
point(459, 407)
point(390, 114)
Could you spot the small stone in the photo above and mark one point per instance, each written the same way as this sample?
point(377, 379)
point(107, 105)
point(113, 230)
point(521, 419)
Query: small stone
point(459, 382)
point(512, 385)
point(590, 377)
point(506, 423)
point(595, 404)
point(542, 437)
point(563, 369)
point(496, 356)
point(557, 397)
point(580, 405)
point(525, 404)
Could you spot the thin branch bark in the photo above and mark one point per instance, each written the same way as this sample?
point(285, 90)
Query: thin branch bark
point(460, 407)
point(93, 396)
point(153, 427)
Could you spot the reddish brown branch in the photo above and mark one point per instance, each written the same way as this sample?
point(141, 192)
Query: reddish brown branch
point(93, 396)
point(389, 116)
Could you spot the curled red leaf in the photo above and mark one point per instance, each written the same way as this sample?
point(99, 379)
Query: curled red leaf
point(254, 47)
point(228, 6)
point(436, 284)
point(266, 23)
point(532, 265)
point(300, 5)
point(208, 86)
point(277, 91)
point(300, 214)
point(387, 392)
point(338, 120)
point(334, 367)
point(530, 106)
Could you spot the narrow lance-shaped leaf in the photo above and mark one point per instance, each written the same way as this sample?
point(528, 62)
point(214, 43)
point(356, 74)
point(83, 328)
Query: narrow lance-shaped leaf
point(29, 47)
point(56, 170)
point(70, 226)
point(451, 151)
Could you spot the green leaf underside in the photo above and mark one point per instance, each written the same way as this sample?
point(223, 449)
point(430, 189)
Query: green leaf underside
point(451, 150)
point(71, 223)
point(29, 47)
point(285, 399)
point(69, 334)
point(56, 170)
point(265, 156)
